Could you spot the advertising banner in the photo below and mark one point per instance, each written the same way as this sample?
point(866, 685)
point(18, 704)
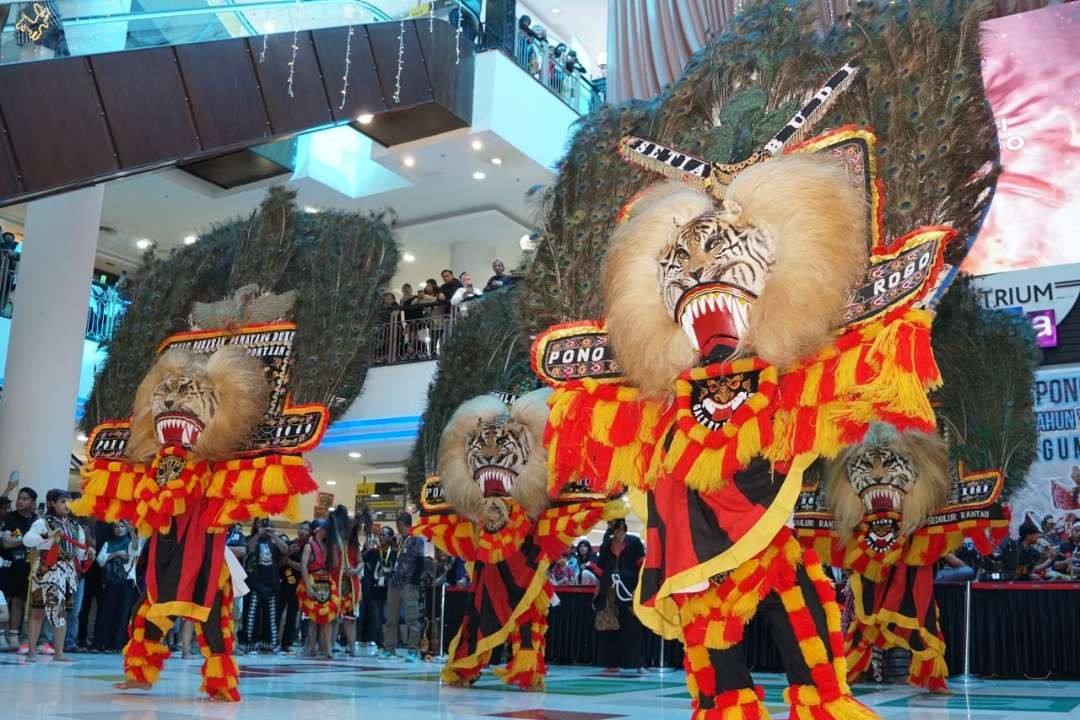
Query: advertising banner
point(1053, 483)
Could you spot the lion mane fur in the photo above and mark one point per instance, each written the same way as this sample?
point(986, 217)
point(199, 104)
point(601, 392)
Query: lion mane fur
point(817, 219)
point(929, 457)
point(239, 385)
point(529, 414)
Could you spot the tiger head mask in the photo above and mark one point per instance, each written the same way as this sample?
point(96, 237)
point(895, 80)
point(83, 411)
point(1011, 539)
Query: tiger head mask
point(892, 481)
point(209, 404)
point(766, 271)
point(489, 452)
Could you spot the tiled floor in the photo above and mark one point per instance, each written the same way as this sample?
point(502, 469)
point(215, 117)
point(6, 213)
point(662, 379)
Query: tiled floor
point(278, 688)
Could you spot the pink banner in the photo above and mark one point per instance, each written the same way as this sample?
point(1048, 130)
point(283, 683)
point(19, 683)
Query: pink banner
point(1031, 67)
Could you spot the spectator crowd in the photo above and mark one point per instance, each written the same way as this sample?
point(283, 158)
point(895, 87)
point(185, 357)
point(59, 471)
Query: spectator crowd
point(415, 326)
point(69, 584)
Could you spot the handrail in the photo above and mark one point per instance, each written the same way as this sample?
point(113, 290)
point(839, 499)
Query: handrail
point(378, 14)
point(105, 304)
point(537, 57)
point(416, 334)
point(298, 15)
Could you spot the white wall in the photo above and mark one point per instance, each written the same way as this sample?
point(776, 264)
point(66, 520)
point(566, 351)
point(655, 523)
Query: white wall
point(512, 104)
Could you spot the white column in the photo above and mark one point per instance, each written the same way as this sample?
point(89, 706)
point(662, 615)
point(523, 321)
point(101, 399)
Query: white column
point(474, 258)
point(44, 357)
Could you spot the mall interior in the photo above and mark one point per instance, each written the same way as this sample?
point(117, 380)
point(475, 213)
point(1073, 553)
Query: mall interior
point(557, 359)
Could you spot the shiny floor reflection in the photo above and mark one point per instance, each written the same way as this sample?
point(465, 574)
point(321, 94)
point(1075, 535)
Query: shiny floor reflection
point(277, 688)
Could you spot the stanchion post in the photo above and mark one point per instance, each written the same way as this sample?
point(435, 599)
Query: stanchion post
point(967, 679)
point(442, 623)
point(663, 669)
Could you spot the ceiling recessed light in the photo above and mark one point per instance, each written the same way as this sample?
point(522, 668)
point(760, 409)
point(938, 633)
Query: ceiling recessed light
point(365, 118)
point(408, 257)
point(479, 175)
point(191, 239)
point(355, 455)
point(477, 145)
point(331, 482)
point(496, 161)
point(311, 210)
point(408, 161)
point(81, 437)
point(143, 243)
point(555, 11)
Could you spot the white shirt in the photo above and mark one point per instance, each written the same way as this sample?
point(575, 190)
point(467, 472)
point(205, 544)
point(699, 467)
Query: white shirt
point(460, 293)
point(38, 537)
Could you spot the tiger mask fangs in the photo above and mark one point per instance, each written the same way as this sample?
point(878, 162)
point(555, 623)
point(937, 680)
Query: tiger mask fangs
point(209, 404)
point(766, 271)
point(489, 451)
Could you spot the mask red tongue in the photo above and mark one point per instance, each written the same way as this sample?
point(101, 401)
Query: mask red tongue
point(493, 487)
point(882, 504)
point(716, 334)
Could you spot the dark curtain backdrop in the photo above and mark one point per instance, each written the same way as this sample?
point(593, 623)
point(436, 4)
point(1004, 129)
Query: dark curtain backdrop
point(1016, 632)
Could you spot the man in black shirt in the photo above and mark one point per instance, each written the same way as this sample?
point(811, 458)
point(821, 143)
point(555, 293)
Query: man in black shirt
point(290, 577)
point(15, 576)
point(500, 279)
point(265, 549)
point(449, 287)
point(1029, 562)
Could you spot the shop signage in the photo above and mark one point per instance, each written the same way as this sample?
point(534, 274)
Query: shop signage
point(1045, 295)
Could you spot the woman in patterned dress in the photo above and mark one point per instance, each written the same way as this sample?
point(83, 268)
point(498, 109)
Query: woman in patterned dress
point(59, 546)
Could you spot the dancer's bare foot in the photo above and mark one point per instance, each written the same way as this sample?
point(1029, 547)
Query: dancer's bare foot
point(132, 685)
point(60, 657)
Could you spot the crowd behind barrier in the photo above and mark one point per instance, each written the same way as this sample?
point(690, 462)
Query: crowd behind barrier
point(1017, 629)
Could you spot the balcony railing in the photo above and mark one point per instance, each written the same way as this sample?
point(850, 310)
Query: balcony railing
point(57, 28)
point(416, 338)
point(418, 333)
point(106, 308)
point(567, 82)
point(106, 305)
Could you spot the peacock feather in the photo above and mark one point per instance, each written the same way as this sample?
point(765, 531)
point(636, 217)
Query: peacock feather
point(920, 89)
point(337, 262)
point(485, 353)
point(987, 360)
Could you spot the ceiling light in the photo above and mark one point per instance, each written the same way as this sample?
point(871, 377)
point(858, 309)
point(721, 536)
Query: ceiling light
point(408, 161)
point(311, 210)
point(81, 437)
point(191, 239)
point(555, 11)
point(331, 482)
point(496, 161)
point(143, 243)
point(408, 257)
point(479, 175)
point(374, 495)
point(477, 145)
point(269, 26)
point(365, 118)
point(355, 455)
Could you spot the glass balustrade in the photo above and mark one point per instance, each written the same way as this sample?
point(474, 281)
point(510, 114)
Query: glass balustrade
point(47, 29)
